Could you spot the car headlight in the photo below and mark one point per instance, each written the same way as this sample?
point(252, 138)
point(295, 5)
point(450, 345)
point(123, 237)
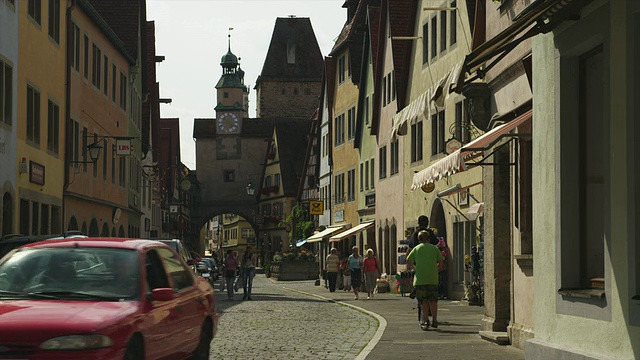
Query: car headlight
point(76, 342)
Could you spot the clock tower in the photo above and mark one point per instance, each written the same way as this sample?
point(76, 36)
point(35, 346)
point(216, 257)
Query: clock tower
point(232, 96)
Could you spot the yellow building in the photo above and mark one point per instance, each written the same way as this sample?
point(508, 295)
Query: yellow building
point(346, 72)
point(41, 113)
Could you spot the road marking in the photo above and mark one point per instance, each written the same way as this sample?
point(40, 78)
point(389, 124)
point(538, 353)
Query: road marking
point(382, 323)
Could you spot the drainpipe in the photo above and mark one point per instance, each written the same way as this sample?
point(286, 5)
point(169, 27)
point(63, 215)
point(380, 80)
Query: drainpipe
point(67, 108)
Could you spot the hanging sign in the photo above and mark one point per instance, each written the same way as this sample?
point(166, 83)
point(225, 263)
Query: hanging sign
point(123, 147)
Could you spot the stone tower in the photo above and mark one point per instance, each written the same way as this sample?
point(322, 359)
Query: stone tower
point(289, 83)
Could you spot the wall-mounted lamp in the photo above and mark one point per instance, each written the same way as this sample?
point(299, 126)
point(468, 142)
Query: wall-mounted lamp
point(250, 189)
point(94, 154)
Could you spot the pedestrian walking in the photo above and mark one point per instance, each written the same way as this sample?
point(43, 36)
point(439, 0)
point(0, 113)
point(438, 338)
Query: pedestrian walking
point(248, 270)
point(355, 263)
point(230, 267)
point(426, 259)
point(370, 268)
point(423, 224)
point(332, 266)
point(346, 273)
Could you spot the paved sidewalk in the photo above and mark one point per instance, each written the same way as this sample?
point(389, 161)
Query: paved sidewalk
point(456, 337)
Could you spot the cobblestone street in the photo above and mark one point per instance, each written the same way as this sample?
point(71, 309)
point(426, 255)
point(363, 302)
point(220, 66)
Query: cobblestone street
point(282, 323)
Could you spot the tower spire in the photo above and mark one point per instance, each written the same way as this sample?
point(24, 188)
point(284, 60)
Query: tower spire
point(230, 38)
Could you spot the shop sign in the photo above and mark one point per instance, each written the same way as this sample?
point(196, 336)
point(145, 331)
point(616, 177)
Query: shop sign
point(370, 200)
point(36, 173)
point(339, 216)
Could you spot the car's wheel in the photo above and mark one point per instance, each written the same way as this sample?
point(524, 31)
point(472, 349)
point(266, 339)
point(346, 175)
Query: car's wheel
point(204, 345)
point(135, 350)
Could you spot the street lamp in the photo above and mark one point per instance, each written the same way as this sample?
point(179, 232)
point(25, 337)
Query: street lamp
point(94, 154)
point(250, 189)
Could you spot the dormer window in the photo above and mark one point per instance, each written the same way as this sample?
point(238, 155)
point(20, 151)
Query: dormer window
point(291, 53)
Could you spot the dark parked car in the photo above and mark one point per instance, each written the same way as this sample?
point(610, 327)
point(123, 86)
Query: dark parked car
point(10, 242)
point(178, 246)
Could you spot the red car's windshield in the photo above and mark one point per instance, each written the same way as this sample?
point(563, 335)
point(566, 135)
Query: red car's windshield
point(72, 272)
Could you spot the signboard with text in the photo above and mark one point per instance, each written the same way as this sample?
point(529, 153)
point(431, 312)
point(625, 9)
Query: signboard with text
point(36, 173)
point(123, 147)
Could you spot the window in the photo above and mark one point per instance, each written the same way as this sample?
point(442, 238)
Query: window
point(276, 180)
point(425, 43)
point(114, 78)
point(54, 20)
point(106, 75)
point(443, 31)
point(341, 69)
point(372, 173)
point(105, 163)
point(33, 115)
point(75, 136)
point(434, 37)
point(366, 175)
point(393, 85)
point(229, 175)
point(351, 185)
point(44, 215)
point(86, 57)
point(122, 172)
point(53, 127)
point(382, 161)
point(35, 218)
point(453, 24)
point(437, 133)
point(156, 276)
point(83, 149)
point(361, 176)
point(75, 57)
point(6, 93)
point(462, 123)
point(384, 91)
point(339, 188)
point(95, 164)
point(123, 92)
point(96, 69)
point(35, 10)
point(24, 217)
point(366, 109)
point(339, 130)
point(291, 53)
point(351, 128)
point(416, 141)
point(113, 170)
point(394, 149)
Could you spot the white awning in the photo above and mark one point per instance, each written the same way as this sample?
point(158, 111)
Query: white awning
point(324, 233)
point(444, 167)
point(353, 231)
point(454, 162)
point(420, 108)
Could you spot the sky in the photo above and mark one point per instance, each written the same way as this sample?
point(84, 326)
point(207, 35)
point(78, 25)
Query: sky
point(193, 37)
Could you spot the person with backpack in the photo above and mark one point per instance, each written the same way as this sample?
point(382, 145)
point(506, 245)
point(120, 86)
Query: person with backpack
point(371, 272)
point(426, 259)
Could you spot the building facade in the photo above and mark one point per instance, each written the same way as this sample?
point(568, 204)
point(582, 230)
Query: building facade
point(9, 13)
point(40, 116)
point(96, 191)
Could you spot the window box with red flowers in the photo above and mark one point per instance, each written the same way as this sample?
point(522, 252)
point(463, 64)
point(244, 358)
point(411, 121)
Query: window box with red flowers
point(274, 189)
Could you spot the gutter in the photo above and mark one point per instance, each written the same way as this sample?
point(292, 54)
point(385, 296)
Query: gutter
point(67, 105)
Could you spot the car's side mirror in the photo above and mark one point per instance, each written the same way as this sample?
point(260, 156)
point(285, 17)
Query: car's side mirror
point(163, 294)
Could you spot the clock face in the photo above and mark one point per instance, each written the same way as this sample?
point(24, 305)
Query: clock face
point(228, 123)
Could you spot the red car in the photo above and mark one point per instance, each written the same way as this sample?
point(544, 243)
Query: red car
point(94, 298)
